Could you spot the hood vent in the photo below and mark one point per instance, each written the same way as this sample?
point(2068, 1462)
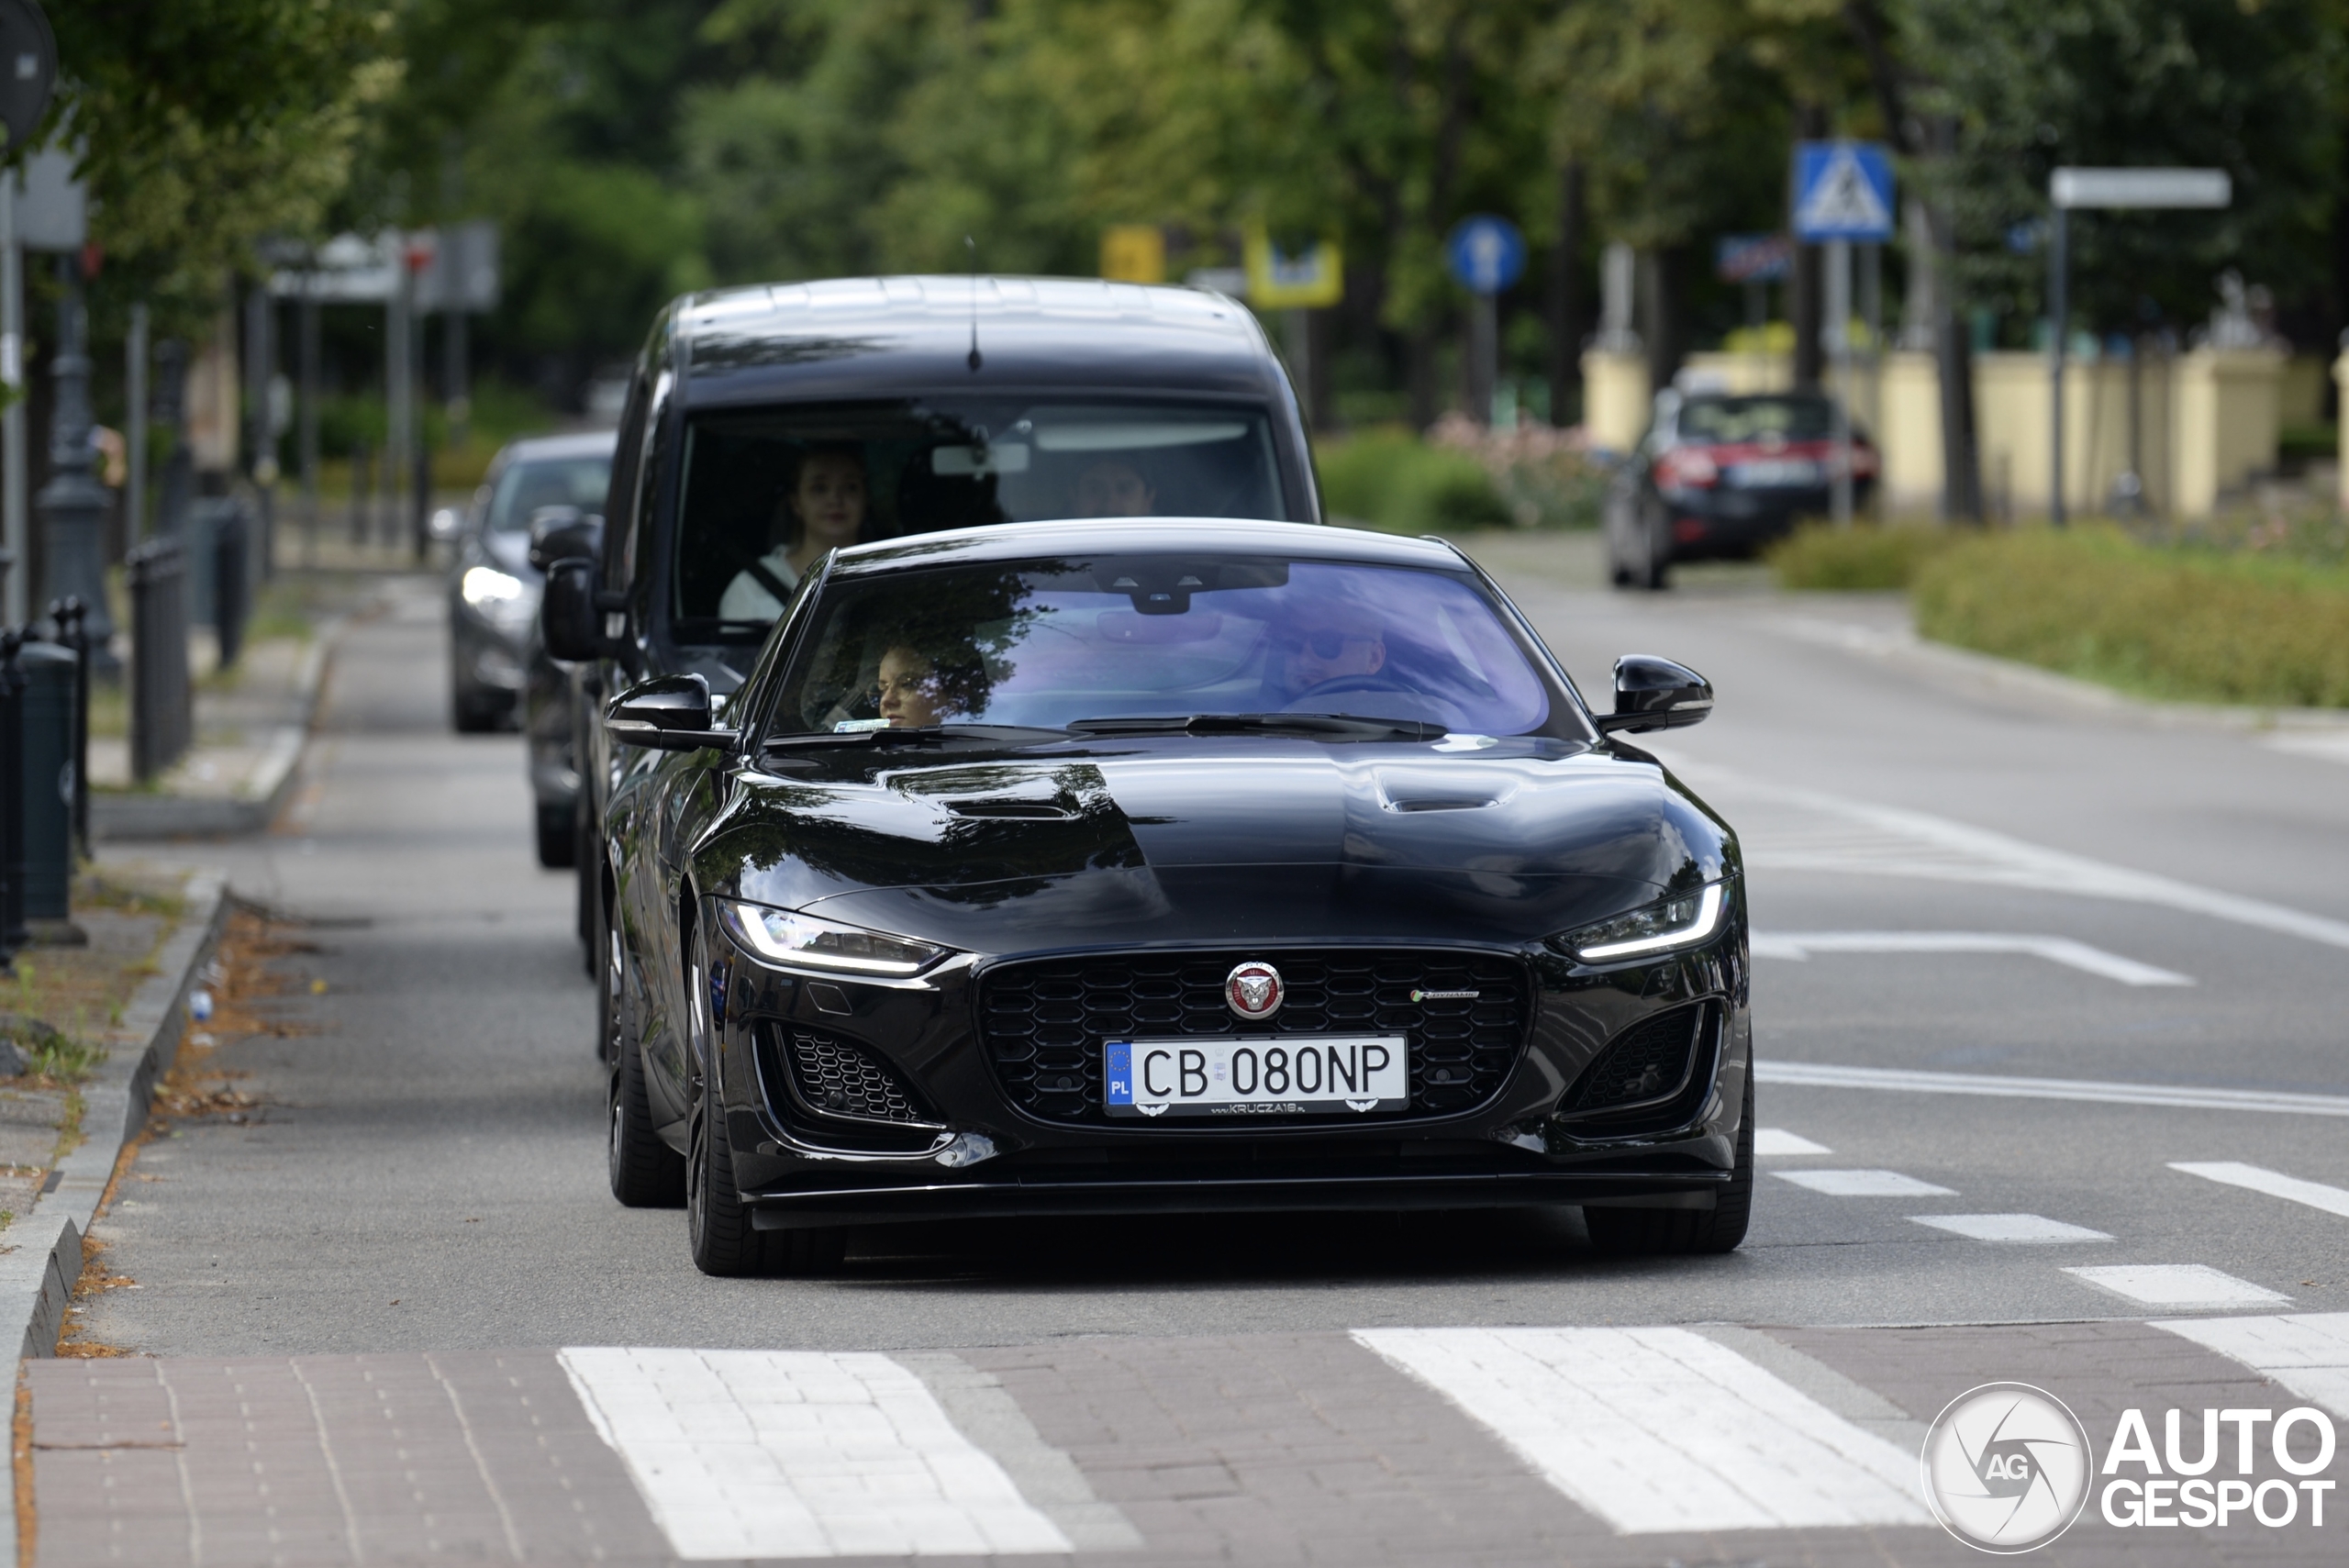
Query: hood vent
point(1001, 810)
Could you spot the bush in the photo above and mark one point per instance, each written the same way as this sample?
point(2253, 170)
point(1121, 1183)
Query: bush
point(1821, 556)
point(2167, 622)
point(1396, 482)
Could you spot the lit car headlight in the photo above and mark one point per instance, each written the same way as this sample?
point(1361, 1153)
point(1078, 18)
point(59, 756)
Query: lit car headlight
point(499, 597)
point(1682, 920)
point(802, 941)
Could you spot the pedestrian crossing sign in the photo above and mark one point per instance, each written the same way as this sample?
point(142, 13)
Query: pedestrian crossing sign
point(1842, 191)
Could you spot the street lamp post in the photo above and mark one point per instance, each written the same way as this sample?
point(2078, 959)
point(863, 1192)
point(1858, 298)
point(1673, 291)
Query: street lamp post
point(74, 504)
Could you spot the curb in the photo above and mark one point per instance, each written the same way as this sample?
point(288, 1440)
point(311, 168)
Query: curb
point(119, 817)
point(44, 1256)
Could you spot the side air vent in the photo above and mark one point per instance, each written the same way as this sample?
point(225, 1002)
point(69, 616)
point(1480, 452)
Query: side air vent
point(836, 1078)
point(1648, 1063)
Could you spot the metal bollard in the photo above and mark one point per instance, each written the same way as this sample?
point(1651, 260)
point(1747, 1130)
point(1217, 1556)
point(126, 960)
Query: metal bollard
point(160, 720)
point(12, 935)
point(72, 634)
point(44, 830)
point(231, 538)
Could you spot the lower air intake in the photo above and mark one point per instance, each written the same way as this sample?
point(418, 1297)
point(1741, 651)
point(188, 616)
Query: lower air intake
point(843, 1080)
point(1648, 1063)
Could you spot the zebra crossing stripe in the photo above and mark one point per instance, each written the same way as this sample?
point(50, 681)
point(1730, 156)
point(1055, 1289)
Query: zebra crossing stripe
point(2308, 1352)
point(2275, 1184)
point(800, 1453)
point(1662, 1430)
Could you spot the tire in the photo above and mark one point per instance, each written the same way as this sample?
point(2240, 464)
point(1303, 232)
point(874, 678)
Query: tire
point(725, 1242)
point(1655, 570)
point(1685, 1232)
point(469, 715)
point(644, 1172)
point(558, 843)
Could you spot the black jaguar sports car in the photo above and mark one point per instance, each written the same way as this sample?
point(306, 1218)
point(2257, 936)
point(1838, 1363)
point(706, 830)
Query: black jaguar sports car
point(1179, 864)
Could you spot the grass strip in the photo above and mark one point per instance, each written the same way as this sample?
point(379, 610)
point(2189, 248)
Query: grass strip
point(2181, 624)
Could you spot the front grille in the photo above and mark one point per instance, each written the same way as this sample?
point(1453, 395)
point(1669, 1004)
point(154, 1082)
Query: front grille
point(1043, 1022)
point(1645, 1064)
point(843, 1080)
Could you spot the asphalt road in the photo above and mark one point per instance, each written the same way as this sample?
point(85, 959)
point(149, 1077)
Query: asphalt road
point(435, 1143)
point(2161, 915)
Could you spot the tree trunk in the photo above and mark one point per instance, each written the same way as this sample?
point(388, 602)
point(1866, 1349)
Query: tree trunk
point(1566, 308)
point(1954, 354)
point(1807, 303)
point(1660, 301)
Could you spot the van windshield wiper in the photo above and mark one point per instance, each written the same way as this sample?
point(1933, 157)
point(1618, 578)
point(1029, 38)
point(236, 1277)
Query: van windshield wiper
point(1334, 726)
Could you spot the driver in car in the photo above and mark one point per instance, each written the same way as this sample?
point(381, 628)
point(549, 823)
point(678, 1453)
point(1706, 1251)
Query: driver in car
point(1320, 644)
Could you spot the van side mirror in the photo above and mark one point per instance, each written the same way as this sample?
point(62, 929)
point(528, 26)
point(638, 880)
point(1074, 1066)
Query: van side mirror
point(565, 533)
point(568, 620)
point(1656, 694)
point(668, 713)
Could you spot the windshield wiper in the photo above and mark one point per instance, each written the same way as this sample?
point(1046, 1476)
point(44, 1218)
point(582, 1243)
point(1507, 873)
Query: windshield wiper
point(1346, 725)
point(926, 735)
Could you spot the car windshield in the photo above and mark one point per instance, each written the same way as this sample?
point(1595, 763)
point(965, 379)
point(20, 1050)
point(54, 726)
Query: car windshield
point(767, 491)
point(1054, 642)
point(528, 486)
point(1735, 420)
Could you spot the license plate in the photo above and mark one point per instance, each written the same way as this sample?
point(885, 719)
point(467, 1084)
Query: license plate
point(1773, 472)
point(1231, 1075)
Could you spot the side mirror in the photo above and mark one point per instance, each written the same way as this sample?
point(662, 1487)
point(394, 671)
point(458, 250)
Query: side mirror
point(1656, 694)
point(567, 614)
point(565, 533)
point(668, 713)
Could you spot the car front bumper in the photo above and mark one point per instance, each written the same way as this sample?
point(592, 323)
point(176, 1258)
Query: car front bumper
point(975, 1151)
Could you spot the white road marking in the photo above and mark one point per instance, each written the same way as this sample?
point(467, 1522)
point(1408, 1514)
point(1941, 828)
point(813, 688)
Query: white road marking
point(1661, 1429)
point(1916, 1081)
point(2306, 1352)
point(1800, 945)
point(1861, 1183)
point(2177, 1285)
point(2331, 745)
point(1785, 828)
point(2009, 1227)
point(800, 1453)
point(2275, 1184)
point(1769, 1141)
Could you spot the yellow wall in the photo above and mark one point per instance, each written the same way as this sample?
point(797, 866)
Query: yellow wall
point(1615, 400)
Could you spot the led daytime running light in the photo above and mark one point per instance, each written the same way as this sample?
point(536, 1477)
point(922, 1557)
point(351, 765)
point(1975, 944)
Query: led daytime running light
point(1707, 919)
point(802, 941)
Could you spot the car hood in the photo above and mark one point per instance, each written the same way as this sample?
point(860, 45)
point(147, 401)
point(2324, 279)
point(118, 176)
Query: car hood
point(1193, 840)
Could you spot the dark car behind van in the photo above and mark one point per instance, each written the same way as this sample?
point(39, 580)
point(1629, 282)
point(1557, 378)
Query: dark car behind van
point(940, 402)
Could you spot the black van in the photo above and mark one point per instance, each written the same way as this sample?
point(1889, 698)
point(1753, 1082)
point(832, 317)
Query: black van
point(763, 425)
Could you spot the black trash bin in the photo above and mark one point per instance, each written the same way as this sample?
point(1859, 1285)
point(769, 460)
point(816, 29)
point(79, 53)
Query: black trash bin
point(48, 782)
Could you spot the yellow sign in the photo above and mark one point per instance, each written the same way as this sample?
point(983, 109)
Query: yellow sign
point(1134, 254)
point(1279, 280)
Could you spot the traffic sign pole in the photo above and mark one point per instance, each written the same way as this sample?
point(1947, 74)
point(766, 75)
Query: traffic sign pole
point(2059, 279)
point(1839, 349)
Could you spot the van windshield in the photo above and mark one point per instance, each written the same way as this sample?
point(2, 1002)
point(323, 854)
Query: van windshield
point(767, 492)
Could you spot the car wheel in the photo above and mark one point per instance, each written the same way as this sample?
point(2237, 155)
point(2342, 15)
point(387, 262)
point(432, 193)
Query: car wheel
point(1685, 1230)
point(468, 714)
point(645, 1173)
point(1655, 572)
point(1619, 570)
point(717, 1222)
point(557, 843)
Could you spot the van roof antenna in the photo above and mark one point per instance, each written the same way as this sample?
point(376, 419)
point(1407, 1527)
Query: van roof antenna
point(972, 246)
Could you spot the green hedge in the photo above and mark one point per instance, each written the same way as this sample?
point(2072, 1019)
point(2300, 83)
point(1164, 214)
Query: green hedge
point(1395, 482)
point(1819, 555)
point(2169, 623)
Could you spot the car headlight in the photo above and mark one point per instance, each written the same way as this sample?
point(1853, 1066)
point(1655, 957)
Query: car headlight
point(499, 597)
point(1682, 920)
point(802, 941)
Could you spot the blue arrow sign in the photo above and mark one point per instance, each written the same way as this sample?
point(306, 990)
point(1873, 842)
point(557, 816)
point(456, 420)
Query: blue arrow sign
point(1487, 253)
point(1842, 191)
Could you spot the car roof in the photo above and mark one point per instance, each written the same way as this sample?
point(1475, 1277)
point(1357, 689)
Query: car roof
point(570, 443)
point(876, 337)
point(1147, 536)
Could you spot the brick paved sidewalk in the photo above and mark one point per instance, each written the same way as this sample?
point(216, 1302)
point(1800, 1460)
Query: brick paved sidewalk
point(1273, 1449)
